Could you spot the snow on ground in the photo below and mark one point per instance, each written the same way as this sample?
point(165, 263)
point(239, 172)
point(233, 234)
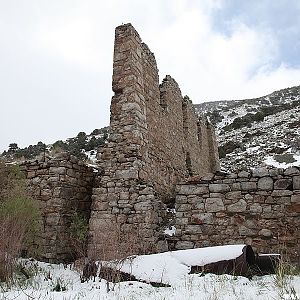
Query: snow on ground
point(42, 286)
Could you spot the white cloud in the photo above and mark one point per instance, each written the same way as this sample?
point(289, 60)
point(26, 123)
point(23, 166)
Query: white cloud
point(59, 54)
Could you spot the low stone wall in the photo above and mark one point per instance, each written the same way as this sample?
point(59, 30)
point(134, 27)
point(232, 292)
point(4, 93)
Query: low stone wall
point(261, 208)
point(61, 185)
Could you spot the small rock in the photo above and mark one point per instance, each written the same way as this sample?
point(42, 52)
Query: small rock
point(265, 183)
point(248, 186)
point(260, 172)
point(182, 245)
point(217, 188)
point(243, 174)
point(214, 205)
point(239, 206)
point(291, 171)
point(296, 182)
point(265, 233)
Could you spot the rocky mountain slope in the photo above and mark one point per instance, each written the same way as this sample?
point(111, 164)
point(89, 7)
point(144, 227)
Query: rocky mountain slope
point(251, 133)
point(256, 132)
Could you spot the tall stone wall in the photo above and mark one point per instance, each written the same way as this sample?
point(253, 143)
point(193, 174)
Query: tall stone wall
point(261, 208)
point(62, 186)
point(153, 143)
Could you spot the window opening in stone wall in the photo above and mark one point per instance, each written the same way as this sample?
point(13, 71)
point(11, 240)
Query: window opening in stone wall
point(199, 133)
point(184, 117)
point(188, 163)
point(163, 96)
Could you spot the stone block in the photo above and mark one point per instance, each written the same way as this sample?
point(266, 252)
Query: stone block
point(293, 208)
point(255, 208)
point(295, 198)
point(248, 186)
point(244, 231)
point(260, 172)
point(235, 195)
point(265, 233)
point(281, 193)
point(183, 245)
point(57, 170)
point(248, 197)
point(282, 184)
point(214, 205)
point(270, 200)
point(182, 221)
point(143, 206)
point(183, 207)
point(193, 189)
point(193, 229)
point(127, 174)
point(291, 171)
point(265, 183)
point(202, 218)
point(296, 182)
point(239, 206)
point(236, 186)
point(273, 172)
point(30, 174)
point(219, 188)
point(243, 174)
point(181, 199)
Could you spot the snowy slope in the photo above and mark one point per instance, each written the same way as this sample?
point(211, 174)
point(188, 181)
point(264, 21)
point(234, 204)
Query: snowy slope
point(256, 132)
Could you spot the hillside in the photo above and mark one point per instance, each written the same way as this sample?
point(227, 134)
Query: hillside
point(84, 146)
point(255, 132)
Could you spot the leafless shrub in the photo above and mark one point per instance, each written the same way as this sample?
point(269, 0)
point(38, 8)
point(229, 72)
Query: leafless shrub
point(117, 241)
point(18, 219)
point(89, 271)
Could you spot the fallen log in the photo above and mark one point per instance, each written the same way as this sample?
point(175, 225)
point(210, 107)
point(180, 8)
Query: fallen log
point(240, 265)
point(162, 269)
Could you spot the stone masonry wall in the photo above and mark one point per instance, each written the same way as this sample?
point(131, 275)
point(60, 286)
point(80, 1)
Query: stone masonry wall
point(260, 208)
point(153, 143)
point(61, 185)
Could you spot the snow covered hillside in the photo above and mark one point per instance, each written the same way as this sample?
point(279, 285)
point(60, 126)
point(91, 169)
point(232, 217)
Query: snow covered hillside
point(256, 132)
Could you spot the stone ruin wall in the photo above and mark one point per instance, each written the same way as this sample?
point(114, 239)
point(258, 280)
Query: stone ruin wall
point(153, 143)
point(62, 186)
point(156, 118)
point(260, 208)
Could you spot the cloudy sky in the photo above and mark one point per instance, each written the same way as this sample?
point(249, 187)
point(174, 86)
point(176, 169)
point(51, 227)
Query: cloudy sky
point(56, 56)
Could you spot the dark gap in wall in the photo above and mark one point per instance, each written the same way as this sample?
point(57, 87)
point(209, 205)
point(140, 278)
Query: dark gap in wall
point(188, 163)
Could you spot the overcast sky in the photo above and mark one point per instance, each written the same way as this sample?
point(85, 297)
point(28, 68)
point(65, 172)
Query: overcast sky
point(56, 56)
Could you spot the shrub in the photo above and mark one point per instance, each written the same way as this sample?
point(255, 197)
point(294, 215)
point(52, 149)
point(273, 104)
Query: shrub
point(78, 234)
point(285, 158)
point(19, 217)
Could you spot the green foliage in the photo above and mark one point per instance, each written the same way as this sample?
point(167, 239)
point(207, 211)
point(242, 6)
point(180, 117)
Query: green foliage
point(285, 158)
point(75, 146)
point(215, 117)
point(227, 148)
point(264, 111)
point(79, 228)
